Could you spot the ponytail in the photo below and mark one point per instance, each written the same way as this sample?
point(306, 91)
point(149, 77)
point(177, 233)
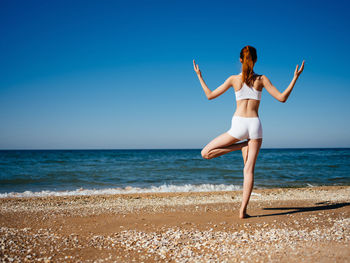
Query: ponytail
point(249, 57)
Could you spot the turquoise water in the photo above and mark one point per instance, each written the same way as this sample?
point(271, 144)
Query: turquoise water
point(50, 172)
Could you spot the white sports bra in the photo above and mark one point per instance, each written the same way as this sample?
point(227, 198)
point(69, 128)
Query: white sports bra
point(247, 93)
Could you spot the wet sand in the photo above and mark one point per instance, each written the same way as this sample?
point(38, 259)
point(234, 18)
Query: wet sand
point(287, 225)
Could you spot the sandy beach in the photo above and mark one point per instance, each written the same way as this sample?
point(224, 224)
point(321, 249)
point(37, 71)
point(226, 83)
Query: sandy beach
point(287, 225)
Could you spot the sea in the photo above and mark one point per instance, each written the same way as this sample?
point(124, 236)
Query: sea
point(26, 173)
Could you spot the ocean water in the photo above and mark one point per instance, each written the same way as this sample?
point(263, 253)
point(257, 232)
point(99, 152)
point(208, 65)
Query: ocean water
point(81, 172)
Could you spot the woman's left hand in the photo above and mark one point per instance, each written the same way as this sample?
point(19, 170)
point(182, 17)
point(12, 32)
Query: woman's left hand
point(196, 68)
point(298, 72)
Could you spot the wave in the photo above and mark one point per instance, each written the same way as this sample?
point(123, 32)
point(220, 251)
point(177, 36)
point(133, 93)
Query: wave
point(127, 190)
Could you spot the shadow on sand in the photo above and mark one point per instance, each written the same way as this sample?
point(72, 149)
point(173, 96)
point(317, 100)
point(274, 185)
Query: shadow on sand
point(320, 206)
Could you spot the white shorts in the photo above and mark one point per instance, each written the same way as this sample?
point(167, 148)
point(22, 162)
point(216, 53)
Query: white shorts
point(245, 128)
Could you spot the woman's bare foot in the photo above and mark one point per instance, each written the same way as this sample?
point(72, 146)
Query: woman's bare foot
point(243, 214)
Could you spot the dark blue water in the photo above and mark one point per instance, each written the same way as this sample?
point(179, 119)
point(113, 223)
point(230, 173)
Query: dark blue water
point(167, 170)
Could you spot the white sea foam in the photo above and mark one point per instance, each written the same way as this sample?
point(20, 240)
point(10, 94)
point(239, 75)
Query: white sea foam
point(128, 190)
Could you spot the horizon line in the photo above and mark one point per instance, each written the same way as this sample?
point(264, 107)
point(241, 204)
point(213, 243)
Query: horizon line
point(159, 149)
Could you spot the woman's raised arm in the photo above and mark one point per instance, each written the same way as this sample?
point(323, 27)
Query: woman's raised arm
point(282, 97)
point(218, 91)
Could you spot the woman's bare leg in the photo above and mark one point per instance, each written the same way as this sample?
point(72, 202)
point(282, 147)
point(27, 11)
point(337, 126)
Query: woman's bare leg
point(245, 150)
point(249, 166)
point(222, 144)
point(245, 153)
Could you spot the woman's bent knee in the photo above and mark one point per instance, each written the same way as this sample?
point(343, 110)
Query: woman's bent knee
point(205, 154)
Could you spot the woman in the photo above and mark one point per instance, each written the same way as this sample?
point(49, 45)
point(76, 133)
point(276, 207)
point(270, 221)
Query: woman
point(245, 122)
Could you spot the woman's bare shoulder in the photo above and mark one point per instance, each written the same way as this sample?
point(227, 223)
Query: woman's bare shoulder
point(236, 77)
point(236, 81)
point(259, 76)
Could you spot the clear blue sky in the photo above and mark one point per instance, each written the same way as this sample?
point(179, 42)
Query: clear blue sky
point(119, 74)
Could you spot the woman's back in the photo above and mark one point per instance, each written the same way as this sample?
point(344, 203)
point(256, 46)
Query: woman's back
point(247, 107)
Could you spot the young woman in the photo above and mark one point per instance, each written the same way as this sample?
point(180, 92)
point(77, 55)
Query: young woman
point(245, 122)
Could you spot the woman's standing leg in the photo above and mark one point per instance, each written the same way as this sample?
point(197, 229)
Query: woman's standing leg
point(249, 166)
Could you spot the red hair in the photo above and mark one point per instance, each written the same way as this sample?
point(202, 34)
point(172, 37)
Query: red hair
point(249, 57)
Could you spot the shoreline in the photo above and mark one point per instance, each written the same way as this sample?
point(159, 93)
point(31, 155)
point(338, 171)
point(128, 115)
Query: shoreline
point(287, 225)
point(164, 189)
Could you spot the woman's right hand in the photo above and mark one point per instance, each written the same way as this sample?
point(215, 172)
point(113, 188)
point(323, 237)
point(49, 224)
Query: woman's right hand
point(196, 69)
point(298, 72)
